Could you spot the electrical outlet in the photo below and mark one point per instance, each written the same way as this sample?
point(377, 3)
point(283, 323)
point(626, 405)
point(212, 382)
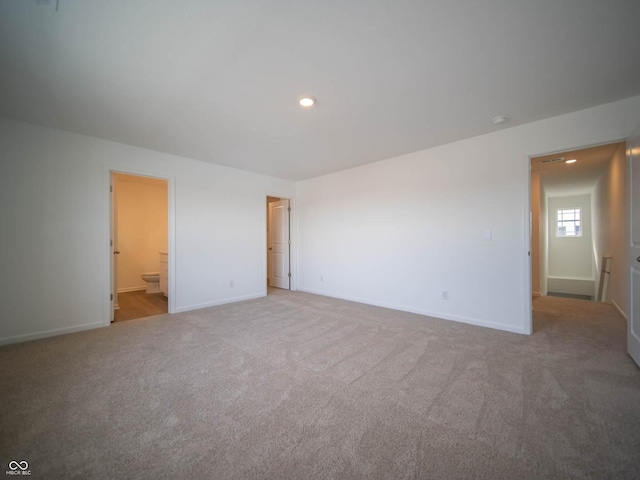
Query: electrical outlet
point(322, 278)
point(445, 295)
point(231, 283)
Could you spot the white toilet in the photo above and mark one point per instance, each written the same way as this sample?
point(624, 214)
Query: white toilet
point(153, 281)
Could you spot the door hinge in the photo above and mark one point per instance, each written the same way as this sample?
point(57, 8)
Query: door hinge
point(289, 242)
point(111, 297)
point(289, 274)
point(111, 243)
point(289, 209)
point(111, 188)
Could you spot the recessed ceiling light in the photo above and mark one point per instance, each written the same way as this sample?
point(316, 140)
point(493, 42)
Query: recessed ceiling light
point(498, 120)
point(307, 101)
point(573, 160)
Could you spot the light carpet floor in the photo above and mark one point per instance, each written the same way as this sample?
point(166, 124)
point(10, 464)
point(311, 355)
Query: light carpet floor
point(299, 386)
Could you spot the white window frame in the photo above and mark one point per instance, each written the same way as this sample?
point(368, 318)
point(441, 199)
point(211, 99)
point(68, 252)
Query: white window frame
point(578, 221)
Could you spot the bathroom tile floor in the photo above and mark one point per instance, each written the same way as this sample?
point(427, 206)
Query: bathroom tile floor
point(140, 304)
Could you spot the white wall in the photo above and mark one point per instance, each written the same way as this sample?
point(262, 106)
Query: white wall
point(544, 241)
point(54, 245)
point(571, 257)
point(539, 240)
point(610, 215)
point(400, 231)
point(142, 217)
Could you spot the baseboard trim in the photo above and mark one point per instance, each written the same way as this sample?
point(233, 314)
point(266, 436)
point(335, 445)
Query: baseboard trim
point(560, 277)
point(536, 294)
point(131, 289)
point(426, 313)
point(241, 298)
point(50, 333)
point(624, 315)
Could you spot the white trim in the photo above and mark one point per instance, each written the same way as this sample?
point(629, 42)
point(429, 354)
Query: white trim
point(527, 314)
point(536, 294)
point(132, 289)
point(582, 279)
point(633, 346)
point(624, 315)
point(171, 247)
point(50, 333)
point(199, 306)
point(426, 313)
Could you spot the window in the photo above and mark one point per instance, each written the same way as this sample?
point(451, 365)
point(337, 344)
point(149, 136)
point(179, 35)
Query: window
point(569, 223)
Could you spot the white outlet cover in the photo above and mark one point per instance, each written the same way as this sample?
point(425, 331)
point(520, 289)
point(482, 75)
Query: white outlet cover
point(487, 235)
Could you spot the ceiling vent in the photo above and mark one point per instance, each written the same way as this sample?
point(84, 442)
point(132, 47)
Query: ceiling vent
point(553, 160)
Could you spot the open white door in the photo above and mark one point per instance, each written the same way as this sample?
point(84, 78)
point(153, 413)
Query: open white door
point(633, 325)
point(279, 244)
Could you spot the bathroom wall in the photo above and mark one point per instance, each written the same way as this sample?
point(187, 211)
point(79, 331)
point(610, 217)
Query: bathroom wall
point(142, 217)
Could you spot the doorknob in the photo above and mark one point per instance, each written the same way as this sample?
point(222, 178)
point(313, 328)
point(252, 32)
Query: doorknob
point(117, 252)
point(638, 259)
point(272, 249)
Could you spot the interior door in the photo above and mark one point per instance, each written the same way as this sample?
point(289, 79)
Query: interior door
point(279, 244)
point(633, 325)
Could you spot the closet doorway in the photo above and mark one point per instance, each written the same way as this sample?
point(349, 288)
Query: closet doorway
point(278, 244)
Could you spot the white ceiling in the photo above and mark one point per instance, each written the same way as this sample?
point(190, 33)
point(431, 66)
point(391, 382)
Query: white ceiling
point(561, 179)
point(218, 80)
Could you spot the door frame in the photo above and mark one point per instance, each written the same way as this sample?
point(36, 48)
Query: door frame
point(171, 234)
point(113, 243)
point(632, 340)
point(293, 252)
point(528, 299)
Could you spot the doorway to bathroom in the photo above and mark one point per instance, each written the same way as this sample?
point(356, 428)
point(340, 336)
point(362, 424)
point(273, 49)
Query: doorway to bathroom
point(139, 241)
point(278, 245)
